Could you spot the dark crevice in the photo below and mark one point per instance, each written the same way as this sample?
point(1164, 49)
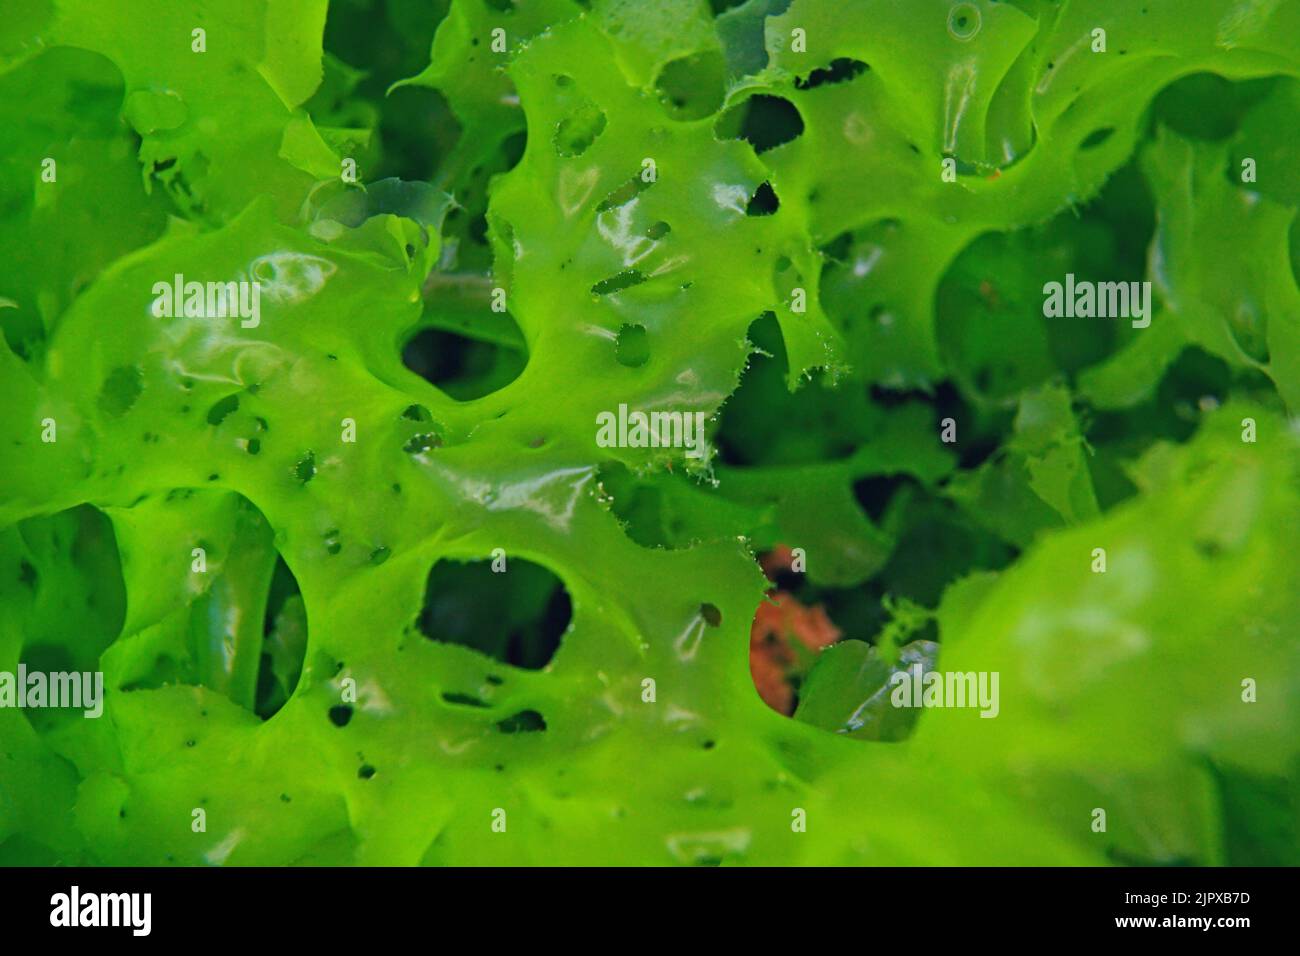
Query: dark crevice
point(524, 722)
point(874, 493)
point(462, 367)
point(840, 70)
point(284, 643)
point(764, 202)
point(517, 616)
point(764, 121)
point(617, 283)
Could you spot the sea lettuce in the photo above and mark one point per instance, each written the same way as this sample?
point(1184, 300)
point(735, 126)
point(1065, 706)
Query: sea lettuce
point(738, 210)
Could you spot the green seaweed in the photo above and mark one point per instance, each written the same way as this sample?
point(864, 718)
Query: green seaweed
point(747, 216)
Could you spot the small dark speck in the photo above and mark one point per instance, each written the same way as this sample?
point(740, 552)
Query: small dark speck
point(366, 772)
point(285, 798)
point(712, 616)
point(191, 742)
